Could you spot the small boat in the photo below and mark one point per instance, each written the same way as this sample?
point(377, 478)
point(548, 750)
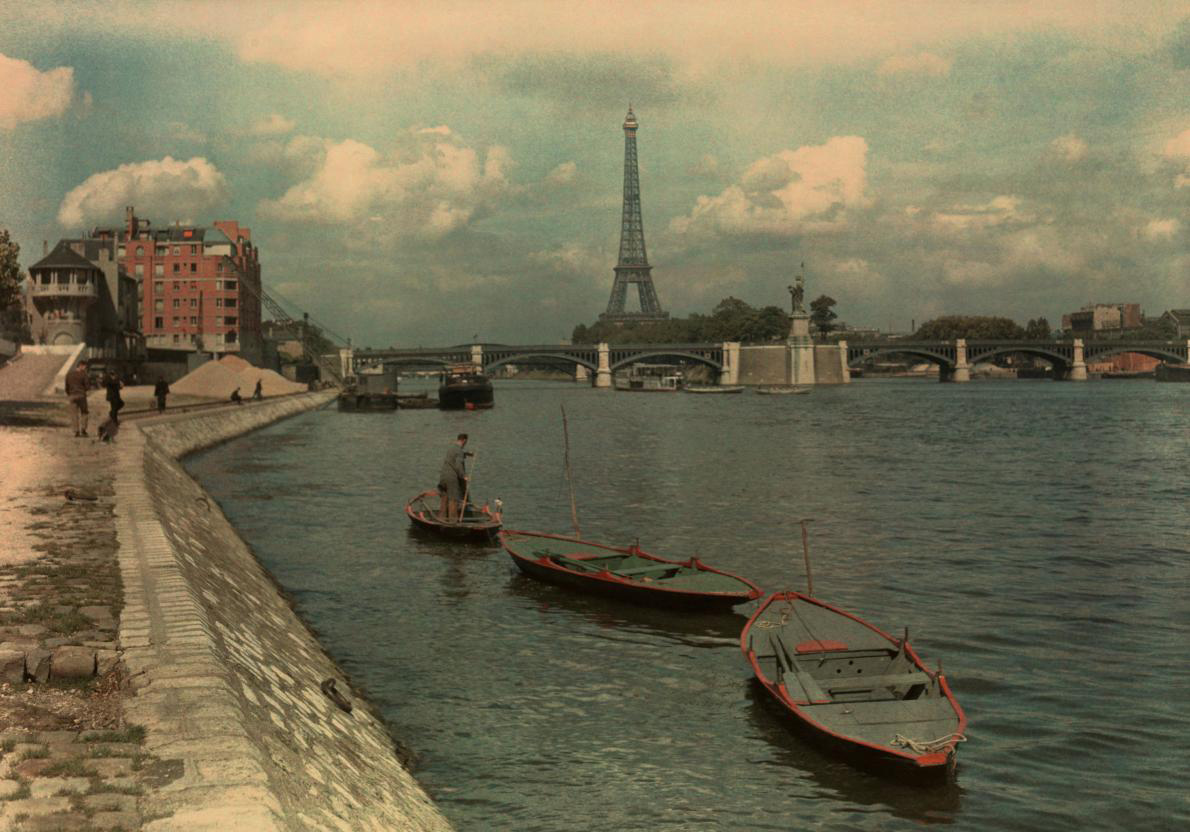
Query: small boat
point(480, 523)
point(465, 387)
point(626, 573)
point(1172, 372)
point(713, 388)
point(854, 688)
point(651, 378)
point(781, 390)
point(356, 401)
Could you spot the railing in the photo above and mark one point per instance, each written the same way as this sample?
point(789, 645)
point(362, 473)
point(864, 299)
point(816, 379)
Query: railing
point(77, 290)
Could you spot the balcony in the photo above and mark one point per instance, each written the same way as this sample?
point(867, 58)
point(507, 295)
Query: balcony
point(85, 291)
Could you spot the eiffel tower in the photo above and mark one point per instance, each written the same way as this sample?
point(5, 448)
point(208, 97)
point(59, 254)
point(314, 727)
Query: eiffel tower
point(634, 263)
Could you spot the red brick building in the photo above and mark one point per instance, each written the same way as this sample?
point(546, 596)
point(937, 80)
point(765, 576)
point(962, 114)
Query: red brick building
point(198, 287)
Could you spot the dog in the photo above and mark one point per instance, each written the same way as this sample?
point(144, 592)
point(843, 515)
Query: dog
point(108, 430)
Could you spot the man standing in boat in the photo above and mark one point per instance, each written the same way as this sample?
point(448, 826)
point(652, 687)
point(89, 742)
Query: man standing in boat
point(452, 481)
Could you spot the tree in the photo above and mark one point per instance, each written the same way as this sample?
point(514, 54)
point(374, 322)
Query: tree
point(822, 315)
point(12, 318)
point(972, 327)
point(1038, 330)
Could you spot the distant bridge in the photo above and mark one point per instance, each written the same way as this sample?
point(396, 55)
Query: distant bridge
point(954, 358)
point(1068, 358)
point(600, 359)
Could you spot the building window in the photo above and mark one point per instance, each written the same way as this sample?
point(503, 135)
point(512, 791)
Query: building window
point(176, 339)
point(230, 303)
point(219, 266)
point(193, 285)
point(229, 321)
point(193, 267)
point(140, 251)
point(140, 269)
point(122, 251)
point(231, 337)
point(177, 251)
point(159, 268)
point(177, 267)
point(158, 287)
point(159, 323)
point(194, 249)
point(159, 305)
point(177, 303)
point(162, 250)
point(230, 285)
point(193, 320)
point(218, 302)
point(176, 286)
point(193, 302)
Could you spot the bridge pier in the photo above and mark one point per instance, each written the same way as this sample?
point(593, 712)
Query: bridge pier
point(581, 374)
point(730, 374)
point(477, 356)
point(346, 362)
point(603, 376)
point(1078, 367)
point(962, 370)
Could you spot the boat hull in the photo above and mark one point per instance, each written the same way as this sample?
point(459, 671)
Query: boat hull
point(473, 394)
point(479, 525)
point(1171, 372)
point(367, 402)
point(610, 585)
point(906, 724)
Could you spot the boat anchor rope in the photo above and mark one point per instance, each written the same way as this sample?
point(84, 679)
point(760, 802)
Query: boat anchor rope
point(928, 746)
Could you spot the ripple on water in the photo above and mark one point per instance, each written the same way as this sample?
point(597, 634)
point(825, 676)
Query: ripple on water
point(1047, 574)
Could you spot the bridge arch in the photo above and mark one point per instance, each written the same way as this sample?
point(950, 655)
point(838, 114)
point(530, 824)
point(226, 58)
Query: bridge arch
point(552, 356)
point(860, 356)
point(1160, 353)
point(1054, 358)
point(637, 357)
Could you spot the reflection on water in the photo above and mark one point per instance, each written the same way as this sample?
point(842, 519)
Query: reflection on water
point(1033, 536)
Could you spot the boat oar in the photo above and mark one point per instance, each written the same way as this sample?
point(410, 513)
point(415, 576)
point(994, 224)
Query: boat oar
point(467, 488)
point(806, 555)
point(569, 478)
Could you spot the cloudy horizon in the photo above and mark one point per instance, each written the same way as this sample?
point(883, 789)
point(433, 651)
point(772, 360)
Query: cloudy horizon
point(425, 174)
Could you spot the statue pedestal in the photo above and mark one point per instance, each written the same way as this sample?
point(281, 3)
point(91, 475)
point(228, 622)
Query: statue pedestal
point(801, 350)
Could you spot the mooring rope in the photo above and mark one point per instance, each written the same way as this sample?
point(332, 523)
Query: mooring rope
point(929, 746)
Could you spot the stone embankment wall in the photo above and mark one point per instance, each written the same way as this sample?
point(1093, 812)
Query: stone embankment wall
point(226, 678)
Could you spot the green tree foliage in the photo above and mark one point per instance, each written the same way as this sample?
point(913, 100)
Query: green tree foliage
point(821, 314)
point(12, 317)
point(1038, 329)
point(971, 327)
point(731, 320)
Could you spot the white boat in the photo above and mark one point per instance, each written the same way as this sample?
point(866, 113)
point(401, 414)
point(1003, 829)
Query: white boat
point(781, 390)
point(713, 388)
point(651, 378)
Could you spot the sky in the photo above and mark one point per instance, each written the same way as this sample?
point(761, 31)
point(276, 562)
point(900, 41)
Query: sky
point(433, 173)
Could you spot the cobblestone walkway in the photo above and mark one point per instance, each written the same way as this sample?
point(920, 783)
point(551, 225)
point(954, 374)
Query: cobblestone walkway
point(67, 758)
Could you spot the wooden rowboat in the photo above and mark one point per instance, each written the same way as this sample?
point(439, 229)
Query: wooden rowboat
point(478, 523)
point(854, 688)
point(713, 388)
point(626, 573)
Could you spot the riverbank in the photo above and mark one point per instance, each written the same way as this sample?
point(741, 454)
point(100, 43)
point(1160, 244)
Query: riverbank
point(186, 653)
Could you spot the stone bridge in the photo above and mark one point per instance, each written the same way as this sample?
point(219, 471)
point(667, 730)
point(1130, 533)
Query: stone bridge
point(1068, 358)
point(601, 359)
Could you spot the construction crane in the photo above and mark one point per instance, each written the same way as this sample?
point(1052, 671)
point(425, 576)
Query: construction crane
point(310, 345)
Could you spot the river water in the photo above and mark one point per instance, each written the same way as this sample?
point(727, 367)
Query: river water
point(1032, 535)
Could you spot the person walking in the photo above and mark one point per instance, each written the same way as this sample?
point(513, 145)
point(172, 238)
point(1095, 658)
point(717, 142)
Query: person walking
point(114, 400)
point(258, 393)
point(160, 390)
point(77, 385)
point(452, 480)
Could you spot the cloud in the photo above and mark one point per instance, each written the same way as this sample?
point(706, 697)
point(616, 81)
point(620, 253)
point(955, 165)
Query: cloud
point(30, 94)
point(923, 63)
point(855, 274)
point(273, 124)
point(1177, 151)
point(428, 185)
point(1000, 211)
point(1071, 147)
point(1160, 229)
point(183, 132)
point(794, 191)
point(563, 174)
point(168, 189)
point(707, 166)
point(574, 259)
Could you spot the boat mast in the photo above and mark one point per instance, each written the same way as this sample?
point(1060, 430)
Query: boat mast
point(569, 478)
point(806, 555)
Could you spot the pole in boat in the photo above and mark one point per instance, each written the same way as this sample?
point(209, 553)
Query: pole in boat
point(806, 555)
point(467, 488)
point(569, 478)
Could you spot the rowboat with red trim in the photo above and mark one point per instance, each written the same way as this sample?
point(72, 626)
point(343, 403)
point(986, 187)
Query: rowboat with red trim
point(854, 688)
point(480, 523)
point(626, 573)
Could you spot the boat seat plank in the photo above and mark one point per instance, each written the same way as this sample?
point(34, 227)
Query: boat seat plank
point(640, 571)
point(789, 667)
point(893, 680)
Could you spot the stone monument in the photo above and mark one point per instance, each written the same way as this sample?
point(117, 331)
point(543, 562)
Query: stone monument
point(801, 346)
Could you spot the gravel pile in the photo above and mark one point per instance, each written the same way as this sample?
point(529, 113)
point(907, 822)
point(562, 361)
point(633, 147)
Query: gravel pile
point(217, 379)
